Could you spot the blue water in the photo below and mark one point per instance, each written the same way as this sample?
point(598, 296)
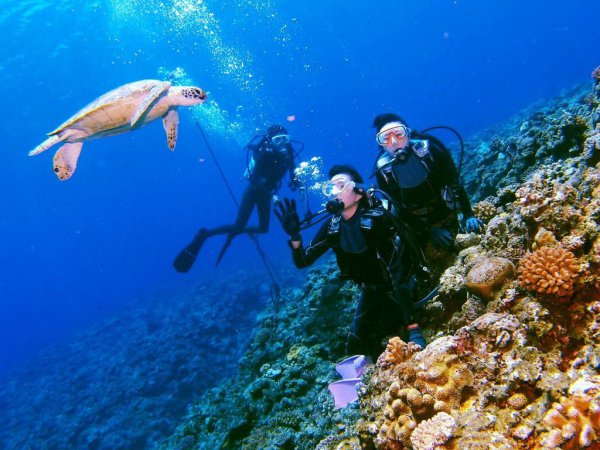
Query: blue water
point(73, 252)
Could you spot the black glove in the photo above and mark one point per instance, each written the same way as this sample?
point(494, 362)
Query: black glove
point(294, 184)
point(288, 216)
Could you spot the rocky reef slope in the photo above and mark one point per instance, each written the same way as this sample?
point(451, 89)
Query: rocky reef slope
point(514, 353)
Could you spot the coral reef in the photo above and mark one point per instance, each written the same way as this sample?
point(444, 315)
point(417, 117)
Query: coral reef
point(505, 367)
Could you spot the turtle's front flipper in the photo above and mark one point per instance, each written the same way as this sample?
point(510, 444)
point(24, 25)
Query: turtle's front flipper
point(170, 123)
point(147, 102)
point(45, 145)
point(65, 160)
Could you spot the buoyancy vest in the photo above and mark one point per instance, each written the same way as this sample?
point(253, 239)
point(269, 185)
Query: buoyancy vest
point(413, 181)
point(360, 253)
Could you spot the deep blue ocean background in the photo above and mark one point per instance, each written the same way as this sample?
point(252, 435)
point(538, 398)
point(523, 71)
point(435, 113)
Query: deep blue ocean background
point(74, 252)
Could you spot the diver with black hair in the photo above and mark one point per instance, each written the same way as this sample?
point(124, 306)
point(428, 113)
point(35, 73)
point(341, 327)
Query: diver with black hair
point(272, 157)
point(418, 172)
point(370, 251)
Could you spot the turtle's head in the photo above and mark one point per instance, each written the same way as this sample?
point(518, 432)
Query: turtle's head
point(188, 95)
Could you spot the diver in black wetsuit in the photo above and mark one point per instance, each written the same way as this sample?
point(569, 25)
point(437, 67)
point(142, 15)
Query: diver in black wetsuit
point(272, 157)
point(418, 172)
point(370, 251)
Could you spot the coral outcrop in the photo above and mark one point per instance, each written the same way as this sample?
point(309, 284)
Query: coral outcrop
point(488, 274)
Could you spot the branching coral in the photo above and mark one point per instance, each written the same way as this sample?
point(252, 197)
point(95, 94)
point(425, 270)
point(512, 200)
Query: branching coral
point(574, 422)
point(552, 271)
point(397, 351)
point(485, 210)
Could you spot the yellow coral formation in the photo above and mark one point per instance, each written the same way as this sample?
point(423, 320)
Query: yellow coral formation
point(551, 271)
point(574, 422)
point(544, 238)
point(485, 210)
point(488, 275)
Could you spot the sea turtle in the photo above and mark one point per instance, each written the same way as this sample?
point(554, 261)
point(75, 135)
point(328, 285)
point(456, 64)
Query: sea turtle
point(123, 109)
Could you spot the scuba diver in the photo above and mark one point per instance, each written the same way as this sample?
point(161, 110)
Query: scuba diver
point(419, 174)
point(370, 251)
point(272, 156)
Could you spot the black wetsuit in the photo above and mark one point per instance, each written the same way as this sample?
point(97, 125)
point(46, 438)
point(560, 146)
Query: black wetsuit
point(267, 168)
point(425, 186)
point(369, 252)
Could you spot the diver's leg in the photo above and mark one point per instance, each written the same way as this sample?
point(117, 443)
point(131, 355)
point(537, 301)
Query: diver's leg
point(243, 215)
point(263, 208)
point(402, 301)
point(248, 201)
point(361, 338)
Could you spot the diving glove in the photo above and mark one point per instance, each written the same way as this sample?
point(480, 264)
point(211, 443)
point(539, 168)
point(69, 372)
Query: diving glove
point(288, 216)
point(473, 225)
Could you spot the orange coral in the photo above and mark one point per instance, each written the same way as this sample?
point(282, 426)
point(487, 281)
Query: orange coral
point(574, 422)
point(397, 351)
point(552, 271)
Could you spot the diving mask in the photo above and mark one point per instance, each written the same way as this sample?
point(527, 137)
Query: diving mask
point(337, 185)
point(280, 139)
point(384, 138)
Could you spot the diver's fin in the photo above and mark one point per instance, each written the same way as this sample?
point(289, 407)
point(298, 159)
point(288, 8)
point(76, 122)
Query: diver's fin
point(226, 245)
point(353, 367)
point(185, 259)
point(344, 391)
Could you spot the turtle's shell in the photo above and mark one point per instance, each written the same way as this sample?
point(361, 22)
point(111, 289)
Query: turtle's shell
point(112, 110)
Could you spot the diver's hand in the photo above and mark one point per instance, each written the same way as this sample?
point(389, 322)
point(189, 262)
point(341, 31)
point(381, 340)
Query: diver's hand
point(441, 238)
point(473, 225)
point(288, 216)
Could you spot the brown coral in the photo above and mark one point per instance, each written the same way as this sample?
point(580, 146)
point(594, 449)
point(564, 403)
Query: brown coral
point(551, 271)
point(596, 74)
point(488, 274)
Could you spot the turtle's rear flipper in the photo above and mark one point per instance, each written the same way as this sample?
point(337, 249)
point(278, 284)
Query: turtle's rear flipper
point(65, 160)
point(148, 101)
point(45, 145)
point(170, 124)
